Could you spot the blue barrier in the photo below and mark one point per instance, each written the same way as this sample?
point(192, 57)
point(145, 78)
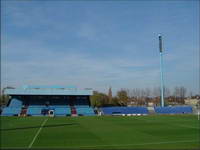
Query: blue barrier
point(173, 110)
point(124, 110)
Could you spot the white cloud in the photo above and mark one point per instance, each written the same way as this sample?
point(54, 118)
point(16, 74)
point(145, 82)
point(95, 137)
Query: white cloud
point(45, 56)
point(44, 66)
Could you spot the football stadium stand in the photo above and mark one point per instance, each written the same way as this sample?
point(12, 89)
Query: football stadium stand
point(173, 110)
point(10, 111)
point(124, 110)
point(62, 111)
point(43, 100)
point(38, 110)
point(15, 103)
point(85, 111)
point(13, 108)
point(69, 101)
point(35, 110)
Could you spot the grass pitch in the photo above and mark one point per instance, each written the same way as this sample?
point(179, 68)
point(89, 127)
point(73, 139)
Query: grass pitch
point(106, 132)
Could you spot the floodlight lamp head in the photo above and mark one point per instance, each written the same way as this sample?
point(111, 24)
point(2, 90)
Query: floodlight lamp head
point(160, 42)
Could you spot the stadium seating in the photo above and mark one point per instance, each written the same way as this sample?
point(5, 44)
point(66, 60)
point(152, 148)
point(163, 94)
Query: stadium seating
point(14, 108)
point(173, 110)
point(57, 106)
point(82, 106)
point(15, 103)
point(62, 111)
point(10, 111)
point(85, 111)
point(59, 110)
point(35, 111)
point(124, 110)
point(36, 106)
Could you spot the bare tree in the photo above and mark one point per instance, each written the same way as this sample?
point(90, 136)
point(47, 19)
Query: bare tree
point(128, 93)
point(156, 92)
point(183, 91)
point(166, 92)
point(176, 92)
point(191, 94)
point(179, 94)
point(147, 92)
point(110, 95)
point(143, 94)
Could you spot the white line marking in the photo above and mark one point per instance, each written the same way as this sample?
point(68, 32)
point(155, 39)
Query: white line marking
point(43, 123)
point(156, 143)
point(144, 143)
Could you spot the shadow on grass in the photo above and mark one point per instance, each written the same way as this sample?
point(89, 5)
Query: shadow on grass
point(45, 126)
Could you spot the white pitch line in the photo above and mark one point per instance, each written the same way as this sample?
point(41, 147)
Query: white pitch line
point(43, 123)
point(153, 143)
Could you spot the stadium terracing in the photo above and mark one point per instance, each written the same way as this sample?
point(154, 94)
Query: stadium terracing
point(70, 101)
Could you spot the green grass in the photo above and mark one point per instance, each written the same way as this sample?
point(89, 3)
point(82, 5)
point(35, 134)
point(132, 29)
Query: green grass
point(136, 132)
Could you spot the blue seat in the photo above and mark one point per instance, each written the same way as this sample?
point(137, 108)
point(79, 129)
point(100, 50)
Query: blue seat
point(10, 111)
point(62, 111)
point(86, 111)
point(79, 106)
point(57, 106)
point(15, 103)
point(36, 106)
point(14, 108)
point(35, 111)
point(124, 110)
point(173, 110)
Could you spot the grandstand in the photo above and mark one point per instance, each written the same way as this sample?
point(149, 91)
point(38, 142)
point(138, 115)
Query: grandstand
point(43, 100)
point(69, 101)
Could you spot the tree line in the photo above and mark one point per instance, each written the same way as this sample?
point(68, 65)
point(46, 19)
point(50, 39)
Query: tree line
point(139, 97)
point(124, 97)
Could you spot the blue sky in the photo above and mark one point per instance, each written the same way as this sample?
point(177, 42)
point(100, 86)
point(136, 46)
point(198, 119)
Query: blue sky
point(100, 44)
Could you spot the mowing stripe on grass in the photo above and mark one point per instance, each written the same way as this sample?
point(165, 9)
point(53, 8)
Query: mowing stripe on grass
point(153, 143)
point(43, 123)
point(120, 145)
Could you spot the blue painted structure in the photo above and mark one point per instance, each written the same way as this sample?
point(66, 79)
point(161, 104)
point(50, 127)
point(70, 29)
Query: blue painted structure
point(15, 103)
point(62, 111)
point(173, 110)
point(35, 111)
point(85, 110)
point(14, 108)
point(48, 90)
point(124, 110)
point(161, 71)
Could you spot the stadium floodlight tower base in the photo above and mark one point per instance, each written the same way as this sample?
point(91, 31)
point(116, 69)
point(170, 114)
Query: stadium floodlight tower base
point(161, 70)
